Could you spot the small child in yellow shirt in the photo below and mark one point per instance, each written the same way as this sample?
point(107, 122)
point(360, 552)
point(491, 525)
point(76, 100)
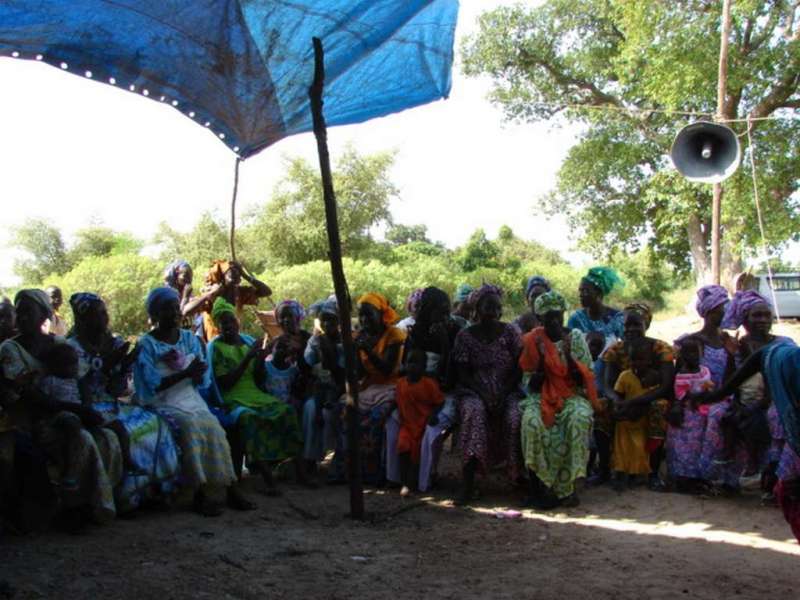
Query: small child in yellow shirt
point(630, 455)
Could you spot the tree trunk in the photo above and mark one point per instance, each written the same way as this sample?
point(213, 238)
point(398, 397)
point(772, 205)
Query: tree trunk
point(731, 265)
point(698, 245)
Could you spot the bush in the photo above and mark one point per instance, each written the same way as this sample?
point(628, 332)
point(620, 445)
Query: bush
point(123, 281)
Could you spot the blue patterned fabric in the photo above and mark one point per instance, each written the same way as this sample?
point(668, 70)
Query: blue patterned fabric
point(781, 368)
point(243, 68)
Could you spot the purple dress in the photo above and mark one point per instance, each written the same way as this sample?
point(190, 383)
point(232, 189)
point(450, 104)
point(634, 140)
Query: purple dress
point(685, 444)
point(490, 434)
point(714, 465)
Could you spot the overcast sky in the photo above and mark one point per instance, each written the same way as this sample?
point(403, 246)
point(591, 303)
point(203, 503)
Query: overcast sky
point(73, 150)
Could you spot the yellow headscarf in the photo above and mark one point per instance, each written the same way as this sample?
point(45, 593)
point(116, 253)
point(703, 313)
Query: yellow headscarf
point(388, 314)
point(216, 274)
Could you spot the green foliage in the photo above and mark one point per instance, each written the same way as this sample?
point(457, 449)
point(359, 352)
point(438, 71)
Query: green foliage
point(122, 280)
point(399, 234)
point(291, 227)
point(97, 240)
point(565, 59)
point(207, 241)
point(479, 251)
point(45, 252)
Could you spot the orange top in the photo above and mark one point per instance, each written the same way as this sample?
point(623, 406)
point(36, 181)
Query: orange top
point(557, 385)
point(392, 336)
point(415, 403)
point(245, 296)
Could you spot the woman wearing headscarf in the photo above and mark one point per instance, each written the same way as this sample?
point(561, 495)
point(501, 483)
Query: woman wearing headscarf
point(224, 280)
point(170, 370)
point(179, 276)
point(266, 427)
point(105, 368)
point(636, 321)
point(379, 346)
point(535, 287)
point(726, 460)
point(434, 333)
point(56, 426)
point(557, 412)
point(686, 442)
point(485, 356)
point(779, 363)
point(324, 354)
point(594, 315)
point(462, 310)
point(412, 304)
point(290, 315)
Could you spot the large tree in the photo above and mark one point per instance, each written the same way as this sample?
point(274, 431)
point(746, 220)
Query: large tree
point(292, 224)
point(622, 71)
point(44, 251)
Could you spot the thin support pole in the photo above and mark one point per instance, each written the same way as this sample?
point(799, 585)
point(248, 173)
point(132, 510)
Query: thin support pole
point(722, 84)
point(233, 208)
point(339, 282)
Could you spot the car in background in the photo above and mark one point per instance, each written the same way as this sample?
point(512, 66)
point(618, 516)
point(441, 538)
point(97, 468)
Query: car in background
point(786, 286)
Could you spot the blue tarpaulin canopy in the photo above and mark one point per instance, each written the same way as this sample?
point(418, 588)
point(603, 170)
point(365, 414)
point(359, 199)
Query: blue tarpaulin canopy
point(243, 67)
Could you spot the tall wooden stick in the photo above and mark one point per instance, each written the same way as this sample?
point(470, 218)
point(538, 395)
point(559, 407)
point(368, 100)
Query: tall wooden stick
point(339, 281)
point(722, 83)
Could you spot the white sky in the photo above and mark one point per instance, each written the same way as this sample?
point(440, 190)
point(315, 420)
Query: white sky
point(74, 150)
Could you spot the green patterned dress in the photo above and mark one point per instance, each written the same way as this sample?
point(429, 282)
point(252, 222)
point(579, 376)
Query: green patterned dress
point(558, 455)
point(268, 426)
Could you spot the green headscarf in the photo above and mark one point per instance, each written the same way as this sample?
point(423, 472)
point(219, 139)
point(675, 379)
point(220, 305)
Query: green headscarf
point(549, 301)
point(221, 306)
point(604, 279)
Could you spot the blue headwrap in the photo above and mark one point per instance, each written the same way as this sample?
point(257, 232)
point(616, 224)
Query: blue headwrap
point(158, 297)
point(536, 281)
point(171, 272)
point(329, 306)
point(81, 302)
point(297, 309)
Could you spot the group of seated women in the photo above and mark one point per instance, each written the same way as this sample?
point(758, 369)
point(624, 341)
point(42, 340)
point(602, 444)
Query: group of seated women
point(99, 427)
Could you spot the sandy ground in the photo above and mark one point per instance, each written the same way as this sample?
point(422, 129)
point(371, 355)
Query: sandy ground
point(637, 544)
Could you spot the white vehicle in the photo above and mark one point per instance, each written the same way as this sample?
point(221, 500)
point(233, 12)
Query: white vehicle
point(787, 291)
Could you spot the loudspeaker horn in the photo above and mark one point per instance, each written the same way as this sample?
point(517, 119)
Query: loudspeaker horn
point(706, 152)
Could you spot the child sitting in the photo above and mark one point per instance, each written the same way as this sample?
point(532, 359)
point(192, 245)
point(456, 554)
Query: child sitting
point(630, 455)
point(600, 437)
point(691, 379)
point(60, 382)
point(418, 399)
point(282, 372)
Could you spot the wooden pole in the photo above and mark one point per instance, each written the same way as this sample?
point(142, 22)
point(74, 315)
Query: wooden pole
point(233, 209)
point(722, 83)
point(339, 281)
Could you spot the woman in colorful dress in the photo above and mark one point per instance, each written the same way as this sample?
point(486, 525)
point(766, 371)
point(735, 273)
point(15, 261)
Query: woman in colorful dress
point(57, 427)
point(170, 370)
point(557, 412)
point(265, 425)
point(636, 322)
point(779, 363)
point(594, 315)
point(485, 356)
point(686, 443)
point(224, 280)
point(179, 276)
point(105, 369)
point(379, 346)
point(721, 459)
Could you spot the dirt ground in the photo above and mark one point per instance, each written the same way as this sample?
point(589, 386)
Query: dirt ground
point(637, 544)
